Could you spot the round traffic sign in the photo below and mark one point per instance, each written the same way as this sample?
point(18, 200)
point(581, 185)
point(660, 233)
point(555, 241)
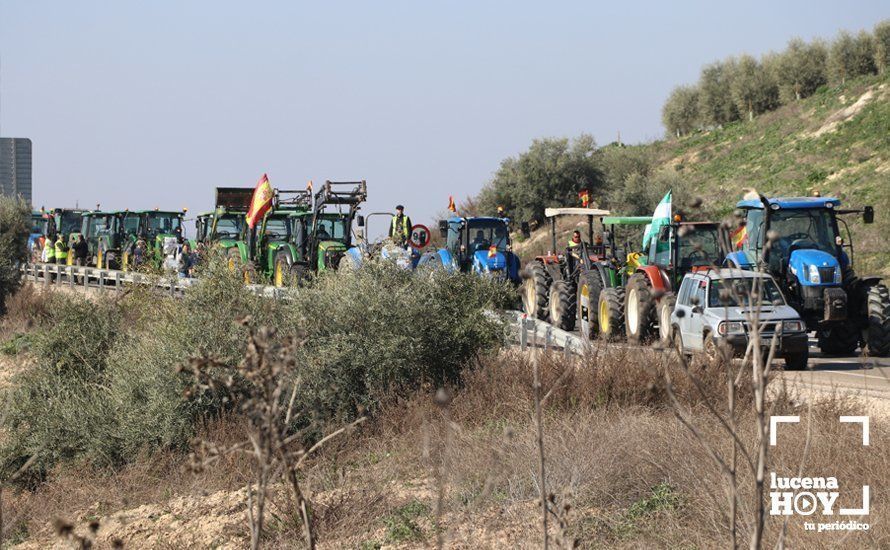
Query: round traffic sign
point(420, 236)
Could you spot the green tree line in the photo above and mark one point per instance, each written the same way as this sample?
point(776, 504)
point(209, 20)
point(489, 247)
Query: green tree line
point(740, 88)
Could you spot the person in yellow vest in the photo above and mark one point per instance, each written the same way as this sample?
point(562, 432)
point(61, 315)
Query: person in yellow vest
point(400, 228)
point(61, 250)
point(49, 251)
point(575, 244)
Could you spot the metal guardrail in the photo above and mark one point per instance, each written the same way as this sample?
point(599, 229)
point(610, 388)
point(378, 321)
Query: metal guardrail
point(114, 280)
point(534, 333)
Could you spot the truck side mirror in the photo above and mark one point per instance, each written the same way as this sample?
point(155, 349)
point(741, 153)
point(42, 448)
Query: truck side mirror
point(443, 229)
point(360, 220)
point(525, 230)
point(868, 214)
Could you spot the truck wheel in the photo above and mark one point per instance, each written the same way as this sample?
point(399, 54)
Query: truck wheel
point(535, 296)
point(878, 321)
point(610, 313)
point(562, 305)
point(639, 311)
point(589, 289)
point(665, 308)
point(798, 361)
point(839, 339)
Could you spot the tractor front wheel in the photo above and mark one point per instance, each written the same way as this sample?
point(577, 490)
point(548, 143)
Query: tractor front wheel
point(639, 311)
point(589, 289)
point(839, 339)
point(280, 271)
point(536, 287)
point(665, 309)
point(562, 305)
point(878, 321)
point(610, 315)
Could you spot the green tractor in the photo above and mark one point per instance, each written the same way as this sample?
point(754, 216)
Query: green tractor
point(226, 228)
point(312, 235)
point(678, 248)
point(601, 308)
point(104, 234)
point(151, 236)
point(68, 222)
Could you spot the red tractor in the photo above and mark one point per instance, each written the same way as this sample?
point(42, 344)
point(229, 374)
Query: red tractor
point(677, 249)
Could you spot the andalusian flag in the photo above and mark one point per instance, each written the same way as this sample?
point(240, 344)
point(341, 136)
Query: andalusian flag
point(660, 218)
point(261, 201)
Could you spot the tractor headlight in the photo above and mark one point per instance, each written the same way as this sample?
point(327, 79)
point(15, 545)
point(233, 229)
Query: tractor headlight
point(792, 326)
point(730, 327)
point(813, 274)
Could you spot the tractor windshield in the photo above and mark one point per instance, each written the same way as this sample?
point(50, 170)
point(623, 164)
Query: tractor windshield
point(102, 225)
point(805, 228)
point(69, 222)
point(131, 224)
point(332, 229)
point(729, 292)
point(277, 228)
point(229, 226)
point(483, 234)
point(163, 223)
point(37, 223)
point(699, 246)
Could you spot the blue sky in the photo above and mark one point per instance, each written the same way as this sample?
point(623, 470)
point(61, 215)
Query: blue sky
point(143, 104)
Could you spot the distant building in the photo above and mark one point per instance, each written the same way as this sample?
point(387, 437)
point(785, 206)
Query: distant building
point(15, 167)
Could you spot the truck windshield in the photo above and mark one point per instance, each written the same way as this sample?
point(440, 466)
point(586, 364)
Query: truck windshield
point(485, 234)
point(807, 228)
point(229, 226)
point(164, 223)
point(729, 292)
point(336, 229)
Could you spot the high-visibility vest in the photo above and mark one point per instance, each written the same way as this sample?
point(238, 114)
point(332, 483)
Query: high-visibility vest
point(405, 229)
point(61, 250)
point(573, 244)
point(49, 252)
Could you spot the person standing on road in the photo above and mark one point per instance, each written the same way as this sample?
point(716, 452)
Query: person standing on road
point(186, 264)
point(61, 250)
point(49, 252)
point(81, 251)
point(400, 228)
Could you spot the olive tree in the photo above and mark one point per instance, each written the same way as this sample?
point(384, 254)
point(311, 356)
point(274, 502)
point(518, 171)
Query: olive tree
point(680, 111)
point(801, 69)
point(882, 45)
point(715, 104)
point(753, 88)
point(851, 56)
point(15, 226)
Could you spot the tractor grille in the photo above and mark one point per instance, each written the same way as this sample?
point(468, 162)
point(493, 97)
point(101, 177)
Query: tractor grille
point(826, 274)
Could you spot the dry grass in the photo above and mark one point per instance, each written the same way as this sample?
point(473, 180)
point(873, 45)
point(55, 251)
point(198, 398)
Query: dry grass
point(634, 477)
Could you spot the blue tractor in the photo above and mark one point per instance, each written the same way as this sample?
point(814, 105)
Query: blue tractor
point(799, 242)
point(476, 245)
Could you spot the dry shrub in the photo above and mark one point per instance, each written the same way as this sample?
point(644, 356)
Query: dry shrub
point(26, 308)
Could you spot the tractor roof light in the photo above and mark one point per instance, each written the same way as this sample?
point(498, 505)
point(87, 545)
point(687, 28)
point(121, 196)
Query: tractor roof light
point(678, 218)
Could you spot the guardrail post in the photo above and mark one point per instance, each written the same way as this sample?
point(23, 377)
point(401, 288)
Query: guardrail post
point(523, 334)
point(548, 337)
point(101, 281)
point(117, 281)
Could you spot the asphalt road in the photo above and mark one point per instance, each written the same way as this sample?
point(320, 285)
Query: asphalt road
point(861, 376)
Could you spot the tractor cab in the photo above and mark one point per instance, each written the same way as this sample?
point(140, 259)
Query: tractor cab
point(280, 239)
point(38, 234)
point(156, 233)
point(67, 222)
point(479, 245)
point(329, 228)
point(813, 263)
point(104, 234)
point(683, 247)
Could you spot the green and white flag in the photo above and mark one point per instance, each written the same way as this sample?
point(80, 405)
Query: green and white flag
point(660, 218)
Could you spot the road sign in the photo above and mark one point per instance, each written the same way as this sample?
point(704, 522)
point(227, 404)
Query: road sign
point(420, 236)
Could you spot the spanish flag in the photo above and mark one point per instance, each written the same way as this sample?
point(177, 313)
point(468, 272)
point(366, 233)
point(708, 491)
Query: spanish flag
point(451, 205)
point(739, 237)
point(492, 252)
point(584, 195)
point(261, 201)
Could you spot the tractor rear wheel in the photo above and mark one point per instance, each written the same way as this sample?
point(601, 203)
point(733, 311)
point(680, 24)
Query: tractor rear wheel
point(639, 312)
point(878, 321)
point(665, 309)
point(536, 289)
point(839, 339)
point(562, 305)
point(610, 313)
point(589, 288)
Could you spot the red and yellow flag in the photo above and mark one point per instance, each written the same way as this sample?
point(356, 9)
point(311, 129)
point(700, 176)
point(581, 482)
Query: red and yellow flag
point(739, 237)
point(584, 195)
point(261, 201)
point(451, 206)
point(492, 251)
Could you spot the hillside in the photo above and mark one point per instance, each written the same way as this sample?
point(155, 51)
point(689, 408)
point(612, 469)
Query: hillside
point(836, 141)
